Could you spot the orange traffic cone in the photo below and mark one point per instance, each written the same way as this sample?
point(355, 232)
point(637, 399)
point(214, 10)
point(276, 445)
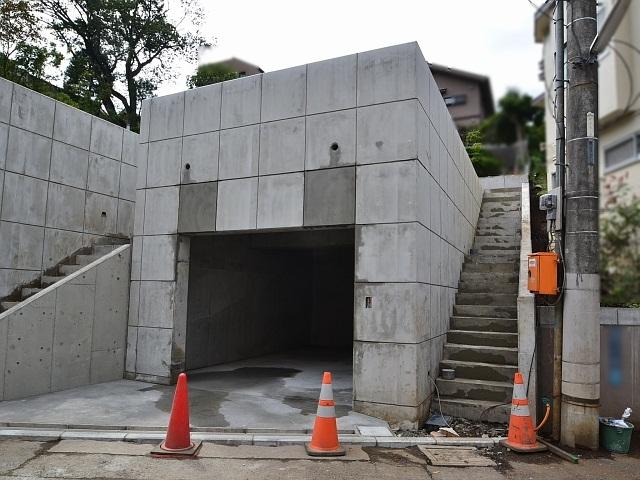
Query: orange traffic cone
point(178, 440)
point(324, 440)
point(522, 434)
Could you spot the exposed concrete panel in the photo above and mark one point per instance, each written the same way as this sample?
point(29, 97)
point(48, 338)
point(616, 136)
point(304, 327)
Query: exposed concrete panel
point(32, 111)
point(125, 218)
point(284, 93)
point(237, 204)
point(387, 132)
point(106, 138)
point(166, 117)
point(136, 257)
point(153, 356)
point(241, 100)
point(142, 154)
point(282, 146)
point(70, 334)
point(330, 197)
point(239, 150)
point(10, 277)
point(202, 109)
point(101, 213)
point(132, 345)
point(69, 165)
point(387, 192)
point(397, 312)
point(163, 164)
point(65, 207)
point(4, 139)
point(138, 219)
point(28, 153)
point(331, 140)
point(127, 190)
point(145, 120)
point(161, 211)
point(156, 304)
point(280, 199)
point(158, 262)
point(197, 207)
point(24, 199)
point(6, 91)
point(72, 126)
point(130, 142)
point(200, 153)
point(387, 74)
point(331, 84)
point(104, 175)
point(59, 244)
point(23, 248)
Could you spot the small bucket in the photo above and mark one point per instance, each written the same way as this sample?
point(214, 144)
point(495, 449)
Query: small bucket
point(613, 437)
point(448, 373)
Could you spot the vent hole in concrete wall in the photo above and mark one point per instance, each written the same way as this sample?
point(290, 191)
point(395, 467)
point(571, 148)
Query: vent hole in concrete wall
point(367, 302)
point(334, 146)
point(104, 214)
point(187, 166)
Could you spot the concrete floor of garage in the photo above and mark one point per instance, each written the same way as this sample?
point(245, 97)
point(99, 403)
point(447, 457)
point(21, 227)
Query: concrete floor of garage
point(273, 391)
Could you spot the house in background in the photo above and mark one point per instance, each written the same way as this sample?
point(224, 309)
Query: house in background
point(619, 102)
point(467, 95)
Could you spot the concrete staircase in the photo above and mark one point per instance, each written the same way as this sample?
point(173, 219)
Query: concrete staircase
point(482, 342)
point(75, 262)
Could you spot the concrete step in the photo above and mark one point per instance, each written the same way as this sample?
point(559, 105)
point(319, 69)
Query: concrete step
point(503, 206)
point(476, 409)
point(487, 339)
point(495, 249)
point(103, 249)
point(48, 280)
point(489, 277)
point(27, 292)
point(507, 257)
point(503, 190)
point(480, 353)
point(489, 299)
point(86, 259)
point(501, 222)
point(7, 305)
point(492, 311)
point(68, 269)
point(481, 371)
point(487, 287)
point(481, 241)
point(497, 215)
point(490, 268)
point(476, 389)
point(485, 324)
point(501, 196)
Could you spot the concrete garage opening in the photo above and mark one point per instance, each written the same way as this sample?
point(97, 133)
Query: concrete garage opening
point(269, 312)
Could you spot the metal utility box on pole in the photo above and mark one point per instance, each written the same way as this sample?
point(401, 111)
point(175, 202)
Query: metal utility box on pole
point(581, 326)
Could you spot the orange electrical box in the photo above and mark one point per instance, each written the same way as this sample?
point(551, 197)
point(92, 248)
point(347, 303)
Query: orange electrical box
point(543, 273)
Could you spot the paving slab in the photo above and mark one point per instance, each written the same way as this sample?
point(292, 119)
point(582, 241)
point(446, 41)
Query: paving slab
point(93, 446)
point(290, 452)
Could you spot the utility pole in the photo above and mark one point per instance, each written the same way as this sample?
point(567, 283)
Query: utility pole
point(581, 326)
point(559, 225)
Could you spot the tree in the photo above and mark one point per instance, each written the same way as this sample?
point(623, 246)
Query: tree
point(483, 162)
point(128, 46)
point(211, 73)
point(24, 55)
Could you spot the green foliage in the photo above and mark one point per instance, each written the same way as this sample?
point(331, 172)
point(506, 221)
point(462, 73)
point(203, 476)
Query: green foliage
point(121, 50)
point(483, 162)
point(211, 73)
point(620, 245)
point(25, 58)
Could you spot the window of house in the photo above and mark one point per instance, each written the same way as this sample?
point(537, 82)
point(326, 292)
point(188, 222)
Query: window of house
point(453, 100)
point(623, 153)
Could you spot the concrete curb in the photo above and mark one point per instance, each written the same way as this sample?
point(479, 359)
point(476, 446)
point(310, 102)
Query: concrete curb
point(273, 440)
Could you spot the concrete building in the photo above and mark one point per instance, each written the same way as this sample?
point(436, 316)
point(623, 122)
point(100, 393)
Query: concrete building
point(467, 95)
point(619, 95)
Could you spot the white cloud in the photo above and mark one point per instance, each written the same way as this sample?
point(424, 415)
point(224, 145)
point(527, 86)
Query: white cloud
point(491, 37)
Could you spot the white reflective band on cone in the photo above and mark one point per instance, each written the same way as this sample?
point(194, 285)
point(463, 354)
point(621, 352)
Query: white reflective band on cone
point(326, 392)
point(520, 410)
point(326, 412)
point(518, 391)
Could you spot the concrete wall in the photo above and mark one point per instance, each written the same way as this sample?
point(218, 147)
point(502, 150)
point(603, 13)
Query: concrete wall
point(66, 179)
point(364, 139)
point(252, 295)
point(72, 333)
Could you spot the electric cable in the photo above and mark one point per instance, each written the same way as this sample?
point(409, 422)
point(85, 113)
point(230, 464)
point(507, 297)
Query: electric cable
point(439, 404)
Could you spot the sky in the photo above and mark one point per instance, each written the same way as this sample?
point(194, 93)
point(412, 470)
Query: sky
point(489, 37)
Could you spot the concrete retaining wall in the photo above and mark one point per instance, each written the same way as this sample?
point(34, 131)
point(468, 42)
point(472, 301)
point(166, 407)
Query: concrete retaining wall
point(362, 140)
point(72, 333)
point(66, 179)
point(620, 361)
